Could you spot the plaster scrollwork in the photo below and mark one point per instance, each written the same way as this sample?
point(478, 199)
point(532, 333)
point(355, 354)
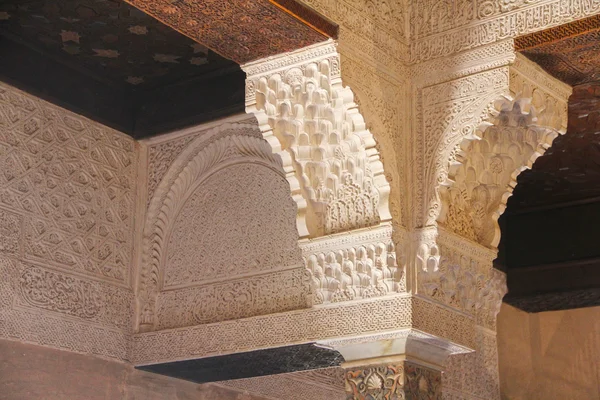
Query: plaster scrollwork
point(484, 173)
point(333, 167)
point(480, 153)
point(56, 292)
point(439, 29)
point(192, 195)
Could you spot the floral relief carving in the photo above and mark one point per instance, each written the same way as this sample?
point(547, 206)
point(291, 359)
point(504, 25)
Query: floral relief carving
point(67, 191)
point(439, 29)
point(161, 155)
point(97, 302)
point(338, 172)
point(485, 171)
point(381, 382)
point(404, 380)
point(241, 298)
point(55, 292)
point(453, 110)
point(378, 96)
point(259, 225)
point(484, 165)
point(365, 266)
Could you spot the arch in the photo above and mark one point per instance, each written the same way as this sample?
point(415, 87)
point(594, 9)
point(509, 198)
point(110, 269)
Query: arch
point(219, 148)
point(484, 173)
point(304, 110)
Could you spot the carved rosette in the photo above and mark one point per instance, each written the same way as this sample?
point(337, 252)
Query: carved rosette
point(401, 381)
point(334, 170)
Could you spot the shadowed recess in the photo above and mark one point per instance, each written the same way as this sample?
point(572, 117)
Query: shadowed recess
point(115, 64)
point(250, 364)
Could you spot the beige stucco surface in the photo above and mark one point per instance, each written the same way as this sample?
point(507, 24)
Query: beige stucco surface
point(30, 372)
point(550, 355)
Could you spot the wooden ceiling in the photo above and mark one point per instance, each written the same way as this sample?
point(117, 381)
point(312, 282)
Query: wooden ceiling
point(110, 39)
point(244, 30)
point(146, 67)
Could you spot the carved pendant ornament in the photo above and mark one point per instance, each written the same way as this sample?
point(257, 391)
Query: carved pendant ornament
point(332, 164)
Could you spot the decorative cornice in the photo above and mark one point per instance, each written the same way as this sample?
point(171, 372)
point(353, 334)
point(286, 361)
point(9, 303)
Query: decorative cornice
point(557, 33)
point(272, 64)
point(541, 79)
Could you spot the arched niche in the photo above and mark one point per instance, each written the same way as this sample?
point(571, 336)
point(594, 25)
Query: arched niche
point(220, 240)
point(484, 173)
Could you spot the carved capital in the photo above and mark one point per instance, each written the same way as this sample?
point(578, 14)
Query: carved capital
point(404, 380)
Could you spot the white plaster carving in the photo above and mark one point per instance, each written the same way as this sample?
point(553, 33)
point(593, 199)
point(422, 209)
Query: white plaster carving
point(442, 29)
point(67, 195)
point(302, 108)
point(485, 172)
point(354, 265)
point(74, 180)
point(220, 240)
point(345, 319)
point(485, 135)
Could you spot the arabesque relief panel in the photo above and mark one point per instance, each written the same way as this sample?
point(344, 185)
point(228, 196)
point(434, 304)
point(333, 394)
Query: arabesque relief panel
point(67, 192)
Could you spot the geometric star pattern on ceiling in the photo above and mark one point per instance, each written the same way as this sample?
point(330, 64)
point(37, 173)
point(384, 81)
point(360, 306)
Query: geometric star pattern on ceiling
point(109, 38)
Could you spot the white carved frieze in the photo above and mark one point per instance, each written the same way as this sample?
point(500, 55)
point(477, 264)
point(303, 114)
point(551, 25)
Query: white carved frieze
point(355, 265)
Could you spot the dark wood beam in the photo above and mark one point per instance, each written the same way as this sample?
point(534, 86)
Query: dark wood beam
point(552, 258)
point(139, 113)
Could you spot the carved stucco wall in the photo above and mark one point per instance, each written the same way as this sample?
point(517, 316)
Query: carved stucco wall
point(423, 88)
point(220, 239)
point(67, 196)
